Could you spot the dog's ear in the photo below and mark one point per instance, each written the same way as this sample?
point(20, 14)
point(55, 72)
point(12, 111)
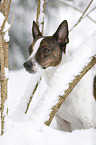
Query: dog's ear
point(35, 30)
point(62, 35)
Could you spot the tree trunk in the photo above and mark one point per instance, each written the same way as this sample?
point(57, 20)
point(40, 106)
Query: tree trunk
point(4, 51)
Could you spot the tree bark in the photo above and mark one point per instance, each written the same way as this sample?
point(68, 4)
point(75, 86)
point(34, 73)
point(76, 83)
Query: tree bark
point(4, 51)
point(40, 14)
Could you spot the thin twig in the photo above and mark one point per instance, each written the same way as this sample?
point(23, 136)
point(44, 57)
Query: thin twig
point(6, 17)
point(10, 25)
point(76, 8)
point(30, 99)
point(69, 90)
point(90, 12)
point(2, 2)
point(82, 15)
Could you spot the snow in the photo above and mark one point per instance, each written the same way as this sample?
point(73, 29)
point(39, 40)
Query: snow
point(47, 136)
point(6, 72)
point(6, 27)
point(41, 15)
point(29, 129)
point(24, 132)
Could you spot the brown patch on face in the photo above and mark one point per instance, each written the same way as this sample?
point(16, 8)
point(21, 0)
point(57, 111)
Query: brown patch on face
point(94, 87)
point(49, 53)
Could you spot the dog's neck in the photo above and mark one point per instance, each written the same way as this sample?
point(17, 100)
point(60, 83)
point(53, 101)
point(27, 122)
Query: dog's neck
point(49, 72)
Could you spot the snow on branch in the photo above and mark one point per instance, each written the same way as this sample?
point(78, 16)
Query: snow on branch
point(70, 88)
point(40, 14)
point(4, 45)
point(6, 15)
point(64, 80)
point(5, 27)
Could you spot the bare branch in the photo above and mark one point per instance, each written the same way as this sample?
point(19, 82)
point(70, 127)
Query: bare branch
point(2, 3)
point(6, 17)
point(90, 12)
point(68, 91)
point(30, 99)
point(76, 8)
point(82, 15)
point(9, 26)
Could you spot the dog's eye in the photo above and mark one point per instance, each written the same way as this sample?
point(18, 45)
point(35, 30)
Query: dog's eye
point(46, 50)
point(30, 50)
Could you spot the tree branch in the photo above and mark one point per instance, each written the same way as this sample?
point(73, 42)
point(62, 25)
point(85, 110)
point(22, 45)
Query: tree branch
point(30, 99)
point(82, 15)
point(40, 22)
point(40, 14)
point(90, 12)
point(6, 17)
point(2, 2)
point(71, 87)
point(76, 8)
point(4, 55)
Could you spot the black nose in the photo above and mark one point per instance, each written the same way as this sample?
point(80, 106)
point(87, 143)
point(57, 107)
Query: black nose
point(28, 65)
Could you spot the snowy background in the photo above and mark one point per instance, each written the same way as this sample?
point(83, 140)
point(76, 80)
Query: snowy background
point(19, 129)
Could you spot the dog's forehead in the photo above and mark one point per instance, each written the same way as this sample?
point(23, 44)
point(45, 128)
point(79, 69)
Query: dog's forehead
point(36, 45)
point(43, 41)
point(48, 41)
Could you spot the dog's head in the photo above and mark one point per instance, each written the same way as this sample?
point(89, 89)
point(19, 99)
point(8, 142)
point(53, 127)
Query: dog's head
point(46, 51)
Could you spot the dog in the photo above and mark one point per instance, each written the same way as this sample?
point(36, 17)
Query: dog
point(46, 55)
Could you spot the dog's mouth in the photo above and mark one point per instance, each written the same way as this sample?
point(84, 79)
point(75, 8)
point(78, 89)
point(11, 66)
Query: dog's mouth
point(30, 71)
point(28, 65)
point(32, 67)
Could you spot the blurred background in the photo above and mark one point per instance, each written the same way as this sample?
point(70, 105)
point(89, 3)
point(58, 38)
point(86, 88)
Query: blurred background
point(56, 11)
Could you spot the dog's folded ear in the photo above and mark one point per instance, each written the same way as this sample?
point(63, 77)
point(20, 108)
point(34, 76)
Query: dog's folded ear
point(35, 30)
point(62, 35)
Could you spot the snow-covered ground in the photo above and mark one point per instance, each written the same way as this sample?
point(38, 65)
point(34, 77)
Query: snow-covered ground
point(25, 132)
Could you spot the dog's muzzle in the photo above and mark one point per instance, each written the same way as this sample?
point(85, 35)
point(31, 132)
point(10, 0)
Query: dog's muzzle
point(29, 66)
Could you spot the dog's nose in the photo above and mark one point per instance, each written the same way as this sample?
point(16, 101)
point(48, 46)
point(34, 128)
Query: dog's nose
point(28, 65)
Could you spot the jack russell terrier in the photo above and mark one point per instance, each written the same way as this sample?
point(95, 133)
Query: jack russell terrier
point(48, 52)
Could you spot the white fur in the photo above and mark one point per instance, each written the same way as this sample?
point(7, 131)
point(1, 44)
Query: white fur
point(36, 66)
point(35, 48)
